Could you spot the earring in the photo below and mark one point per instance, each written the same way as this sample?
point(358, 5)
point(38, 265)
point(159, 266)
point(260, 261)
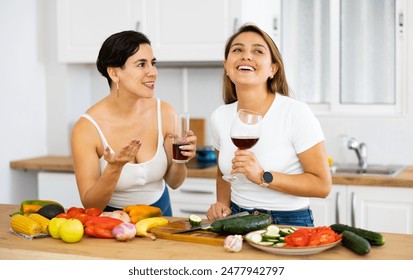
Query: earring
point(117, 88)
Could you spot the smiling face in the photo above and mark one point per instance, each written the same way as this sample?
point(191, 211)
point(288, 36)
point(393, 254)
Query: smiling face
point(249, 60)
point(139, 73)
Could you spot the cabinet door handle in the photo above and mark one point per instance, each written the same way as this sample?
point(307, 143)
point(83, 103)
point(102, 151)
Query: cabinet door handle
point(353, 210)
point(337, 208)
point(137, 25)
point(197, 191)
point(275, 24)
point(235, 25)
point(189, 211)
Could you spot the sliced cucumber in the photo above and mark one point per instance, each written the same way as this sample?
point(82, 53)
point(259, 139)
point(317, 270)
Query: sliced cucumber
point(273, 240)
point(273, 228)
point(194, 220)
point(266, 243)
point(270, 234)
point(256, 237)
point(285, 231)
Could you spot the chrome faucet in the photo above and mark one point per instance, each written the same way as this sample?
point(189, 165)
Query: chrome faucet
point(361, 152)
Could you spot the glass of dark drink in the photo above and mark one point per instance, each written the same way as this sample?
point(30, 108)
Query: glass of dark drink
point(245, 133)
point(180, 129)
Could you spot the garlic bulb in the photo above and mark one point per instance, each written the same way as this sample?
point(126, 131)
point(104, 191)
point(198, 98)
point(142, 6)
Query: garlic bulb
point(233, 243)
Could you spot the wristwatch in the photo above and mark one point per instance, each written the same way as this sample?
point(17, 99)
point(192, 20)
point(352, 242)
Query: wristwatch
point(266, 179)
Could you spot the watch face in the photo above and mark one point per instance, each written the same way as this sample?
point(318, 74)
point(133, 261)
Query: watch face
point(267, 176)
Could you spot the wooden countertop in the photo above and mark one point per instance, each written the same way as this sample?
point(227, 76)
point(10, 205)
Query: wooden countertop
point(64, 164)
point(397, 247)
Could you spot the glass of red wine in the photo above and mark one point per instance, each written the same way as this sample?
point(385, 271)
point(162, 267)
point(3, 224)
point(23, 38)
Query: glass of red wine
point(245, 133)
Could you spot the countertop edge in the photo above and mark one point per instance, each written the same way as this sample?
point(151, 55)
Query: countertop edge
point(56, 163)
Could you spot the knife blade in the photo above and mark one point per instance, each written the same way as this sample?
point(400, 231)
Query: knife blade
point(205, 226)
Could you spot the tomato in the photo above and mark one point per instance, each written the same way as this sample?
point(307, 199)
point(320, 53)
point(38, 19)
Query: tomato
point(311, 237)
point(83, 217)
point(64, 215)
point(93, 211)
point(326, 236)
point(298, 238)
point(75, 210)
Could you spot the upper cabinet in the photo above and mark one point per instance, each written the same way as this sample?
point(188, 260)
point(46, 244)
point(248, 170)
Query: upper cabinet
point(180, 30)
point(82, 26)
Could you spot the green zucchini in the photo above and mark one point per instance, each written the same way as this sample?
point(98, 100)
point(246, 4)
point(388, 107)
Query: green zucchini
point(355, 243)
point(194, 220)
point(374, 238)
point(243, 225)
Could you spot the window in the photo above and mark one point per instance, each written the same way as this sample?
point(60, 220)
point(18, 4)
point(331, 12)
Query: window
point(345, 56)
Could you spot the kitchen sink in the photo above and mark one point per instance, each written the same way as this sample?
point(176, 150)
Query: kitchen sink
point(372, 169)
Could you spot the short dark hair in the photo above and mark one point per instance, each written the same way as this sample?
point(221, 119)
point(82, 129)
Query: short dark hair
point(117, 48)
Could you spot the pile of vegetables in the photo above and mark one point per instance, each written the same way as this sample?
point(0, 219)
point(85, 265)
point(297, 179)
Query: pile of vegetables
point(34, 216)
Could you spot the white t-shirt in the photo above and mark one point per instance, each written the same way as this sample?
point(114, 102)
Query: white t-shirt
point(288, 129)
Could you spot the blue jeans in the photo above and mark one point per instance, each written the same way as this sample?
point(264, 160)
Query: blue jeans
point(289, 218)
point(164, 203)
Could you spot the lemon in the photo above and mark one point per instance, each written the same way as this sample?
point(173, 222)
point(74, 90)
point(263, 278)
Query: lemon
point(71, 231)
point(54, 226)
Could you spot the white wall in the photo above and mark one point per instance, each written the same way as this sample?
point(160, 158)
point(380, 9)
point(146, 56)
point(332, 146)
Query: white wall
point(41, 99)
point(23, 96)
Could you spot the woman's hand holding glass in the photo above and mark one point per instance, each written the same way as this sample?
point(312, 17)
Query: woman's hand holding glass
point(245, 133)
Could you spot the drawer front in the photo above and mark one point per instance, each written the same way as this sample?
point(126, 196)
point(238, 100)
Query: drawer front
point(194, 197)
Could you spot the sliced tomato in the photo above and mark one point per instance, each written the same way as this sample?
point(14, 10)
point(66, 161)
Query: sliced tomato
point(326, 236)
point(312, 237)
point(298, 238)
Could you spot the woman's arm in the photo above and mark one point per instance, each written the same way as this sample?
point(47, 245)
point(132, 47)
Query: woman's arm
point(176, 172)
point(96, 189)
point(222, 207)
point(315, 181)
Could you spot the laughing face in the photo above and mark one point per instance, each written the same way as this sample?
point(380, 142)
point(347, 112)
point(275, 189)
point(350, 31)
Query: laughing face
point(249, 60)
point(139, 73)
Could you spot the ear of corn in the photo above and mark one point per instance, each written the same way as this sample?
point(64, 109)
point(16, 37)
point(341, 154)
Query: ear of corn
point(25, 225)
point(43, 221)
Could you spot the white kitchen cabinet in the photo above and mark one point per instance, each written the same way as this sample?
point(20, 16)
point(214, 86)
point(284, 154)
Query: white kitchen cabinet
point(82, 26)
point(382, 209)
point(193, 197)
point(60, 187)
point(180, 30)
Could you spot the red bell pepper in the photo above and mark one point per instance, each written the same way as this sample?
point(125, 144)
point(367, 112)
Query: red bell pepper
point(101, 227)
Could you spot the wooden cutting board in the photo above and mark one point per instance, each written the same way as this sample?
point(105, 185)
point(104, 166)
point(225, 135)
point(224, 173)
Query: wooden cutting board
point(199, 236)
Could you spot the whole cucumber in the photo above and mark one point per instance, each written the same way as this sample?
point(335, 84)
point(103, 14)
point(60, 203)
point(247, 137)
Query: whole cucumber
point(243, 225)
point(374, 238)
point(355, 243)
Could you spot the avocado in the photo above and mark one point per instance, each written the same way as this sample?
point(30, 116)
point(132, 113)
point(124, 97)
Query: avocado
point(50, 210)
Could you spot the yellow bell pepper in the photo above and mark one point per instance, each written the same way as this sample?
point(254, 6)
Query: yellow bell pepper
point(141, 211)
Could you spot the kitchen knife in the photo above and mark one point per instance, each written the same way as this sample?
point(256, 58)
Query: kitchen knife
point(205, 226)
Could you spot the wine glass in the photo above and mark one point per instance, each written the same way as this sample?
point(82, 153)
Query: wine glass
point(245, 133)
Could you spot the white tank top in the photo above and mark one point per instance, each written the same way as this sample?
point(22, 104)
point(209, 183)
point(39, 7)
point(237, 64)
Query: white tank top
point(139, 183)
